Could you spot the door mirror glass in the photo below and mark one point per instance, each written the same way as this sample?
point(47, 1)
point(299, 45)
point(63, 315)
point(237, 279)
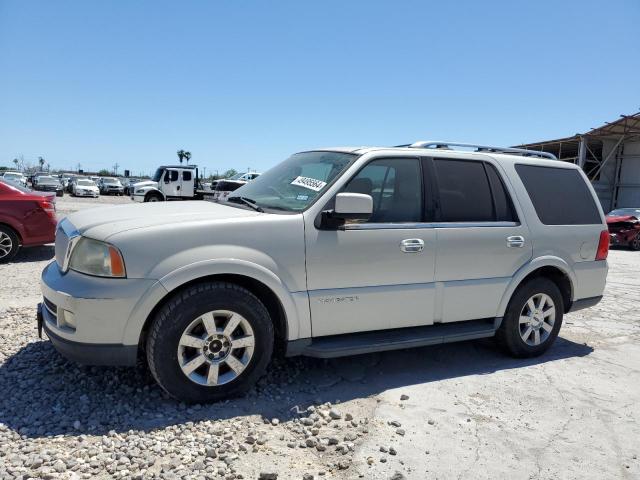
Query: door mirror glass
point(353, 206)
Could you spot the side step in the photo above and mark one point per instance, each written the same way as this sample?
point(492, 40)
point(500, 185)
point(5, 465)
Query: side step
point(392, 339)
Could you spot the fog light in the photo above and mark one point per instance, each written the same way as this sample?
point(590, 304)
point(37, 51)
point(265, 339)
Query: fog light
point(68, 319)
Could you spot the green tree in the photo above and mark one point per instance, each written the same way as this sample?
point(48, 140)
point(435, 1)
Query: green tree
point(230, 173)
point(16, 161)
point(104, 173)
point(187, 156)
point(41, 162)
point(180, 154)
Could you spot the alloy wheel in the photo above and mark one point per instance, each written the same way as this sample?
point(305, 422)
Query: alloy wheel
point(6, 244)
point(216, 348)
point(537, 318)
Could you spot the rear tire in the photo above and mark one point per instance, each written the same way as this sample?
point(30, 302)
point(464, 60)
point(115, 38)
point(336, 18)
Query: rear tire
point(209, 342)
point(9, 244)
point(635, 243)
point(533, 318)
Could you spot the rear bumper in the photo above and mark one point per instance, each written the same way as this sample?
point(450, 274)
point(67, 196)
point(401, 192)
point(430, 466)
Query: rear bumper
point(584, 303)
point(90, 353)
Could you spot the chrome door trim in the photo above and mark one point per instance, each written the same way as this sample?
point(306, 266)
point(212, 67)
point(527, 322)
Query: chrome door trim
point(412, 245)
point(413, 226)
point(515, 241)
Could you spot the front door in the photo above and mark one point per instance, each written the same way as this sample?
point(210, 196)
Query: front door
point(172, 183)
point(481, 241)
point(378, 274)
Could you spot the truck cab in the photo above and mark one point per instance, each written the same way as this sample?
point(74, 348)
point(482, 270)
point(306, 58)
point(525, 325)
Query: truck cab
point(170, 182)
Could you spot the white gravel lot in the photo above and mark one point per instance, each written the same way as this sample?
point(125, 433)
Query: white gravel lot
point(460, 410)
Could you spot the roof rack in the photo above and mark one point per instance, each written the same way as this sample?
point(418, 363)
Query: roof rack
point(481, 148)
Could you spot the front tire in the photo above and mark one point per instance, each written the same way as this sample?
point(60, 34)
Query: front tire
point(533, 319)
point(9, 244)
point(209, 342)
point(635, 243)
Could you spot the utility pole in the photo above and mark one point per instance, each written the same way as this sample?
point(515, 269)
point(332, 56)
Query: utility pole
point(115, 169)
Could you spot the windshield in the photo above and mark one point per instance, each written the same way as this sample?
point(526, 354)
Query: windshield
point(295, 183)
point(86, 183)
point(47, 180)
point(12, 176)
point(622, 212)
point(158, 175)
point(110, 180)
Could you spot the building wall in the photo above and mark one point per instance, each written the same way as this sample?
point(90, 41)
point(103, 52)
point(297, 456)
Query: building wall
point(629, 194)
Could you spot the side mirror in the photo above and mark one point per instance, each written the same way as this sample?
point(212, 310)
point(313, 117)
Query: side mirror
point(353, 206)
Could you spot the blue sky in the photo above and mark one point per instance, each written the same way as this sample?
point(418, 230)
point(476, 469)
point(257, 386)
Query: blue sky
point(244, 84)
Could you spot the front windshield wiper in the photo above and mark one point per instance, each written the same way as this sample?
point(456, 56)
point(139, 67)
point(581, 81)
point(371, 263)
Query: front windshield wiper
point(246, 201)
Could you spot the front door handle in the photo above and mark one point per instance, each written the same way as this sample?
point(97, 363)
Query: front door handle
point(515, 241)
point(412, 245)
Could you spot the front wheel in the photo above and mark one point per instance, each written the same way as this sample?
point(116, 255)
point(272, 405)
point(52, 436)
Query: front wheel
point(533, 318)
point(635, 243)
point(9, 244)
point(209, 342)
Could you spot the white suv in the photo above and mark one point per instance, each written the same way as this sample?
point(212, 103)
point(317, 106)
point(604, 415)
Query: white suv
point(333, 252)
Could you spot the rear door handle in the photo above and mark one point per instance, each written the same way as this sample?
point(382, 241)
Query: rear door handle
point(412, 245)
point(515, 241)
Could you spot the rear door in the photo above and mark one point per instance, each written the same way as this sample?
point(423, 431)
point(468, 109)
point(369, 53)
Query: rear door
point(481, 239)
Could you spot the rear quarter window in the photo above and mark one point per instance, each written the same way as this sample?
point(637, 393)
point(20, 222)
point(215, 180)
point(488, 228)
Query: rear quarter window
point(559, 195)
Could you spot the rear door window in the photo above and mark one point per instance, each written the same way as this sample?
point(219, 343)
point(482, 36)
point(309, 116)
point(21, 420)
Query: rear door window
point(463, 188)
point(559, 195)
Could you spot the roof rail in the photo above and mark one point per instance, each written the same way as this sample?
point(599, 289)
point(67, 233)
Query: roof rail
point(481, 148)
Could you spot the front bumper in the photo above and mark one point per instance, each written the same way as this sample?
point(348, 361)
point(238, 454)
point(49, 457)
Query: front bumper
point(95, 320)
point(137, 198)
point(88, 353)
point(86, 193)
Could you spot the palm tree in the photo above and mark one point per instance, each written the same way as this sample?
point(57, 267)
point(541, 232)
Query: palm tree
point(41, 162)
point(15, 160)
point(180, 155)
point(187, 156)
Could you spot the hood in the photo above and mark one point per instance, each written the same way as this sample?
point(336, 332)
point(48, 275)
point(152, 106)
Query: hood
point(101, 223)
point(145, 183)
point(623, 218)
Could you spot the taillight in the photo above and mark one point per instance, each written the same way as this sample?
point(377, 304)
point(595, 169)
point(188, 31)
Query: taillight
point(48, 206)
point(603, 245)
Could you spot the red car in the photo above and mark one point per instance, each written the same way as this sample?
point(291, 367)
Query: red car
point(27, 219)
point(624, 227)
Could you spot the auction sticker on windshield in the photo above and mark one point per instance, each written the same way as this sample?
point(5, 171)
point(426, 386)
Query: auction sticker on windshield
point(310, 183)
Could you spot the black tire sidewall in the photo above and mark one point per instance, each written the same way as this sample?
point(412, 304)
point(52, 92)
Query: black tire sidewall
point(15, 243)
point(510, 327)
point(174, 318)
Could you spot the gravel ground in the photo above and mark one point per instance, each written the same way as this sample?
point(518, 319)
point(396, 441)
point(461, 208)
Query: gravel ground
point(461, 410)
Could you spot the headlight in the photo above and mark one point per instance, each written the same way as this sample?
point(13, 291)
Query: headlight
point(97, 258)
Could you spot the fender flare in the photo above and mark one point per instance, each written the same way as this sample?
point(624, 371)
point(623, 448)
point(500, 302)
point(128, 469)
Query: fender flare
point(297, 319)
point(533, 265)
point(154, 190)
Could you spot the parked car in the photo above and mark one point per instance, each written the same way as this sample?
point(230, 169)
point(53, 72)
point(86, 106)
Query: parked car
point(110, 186)
point(225, 187)
point(84, 187)
point(128, 184)
point(331, 253)
point(624, 227)
point(47, 183)
point(15, 177)
point(27, 219)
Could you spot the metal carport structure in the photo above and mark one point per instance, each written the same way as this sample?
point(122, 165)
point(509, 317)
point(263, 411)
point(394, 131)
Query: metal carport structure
point(609, 155)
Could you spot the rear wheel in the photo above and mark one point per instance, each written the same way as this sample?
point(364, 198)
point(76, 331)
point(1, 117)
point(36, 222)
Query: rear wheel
point(209, 342)
point(9, 244)
point(533, 318)
point(635, 243)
